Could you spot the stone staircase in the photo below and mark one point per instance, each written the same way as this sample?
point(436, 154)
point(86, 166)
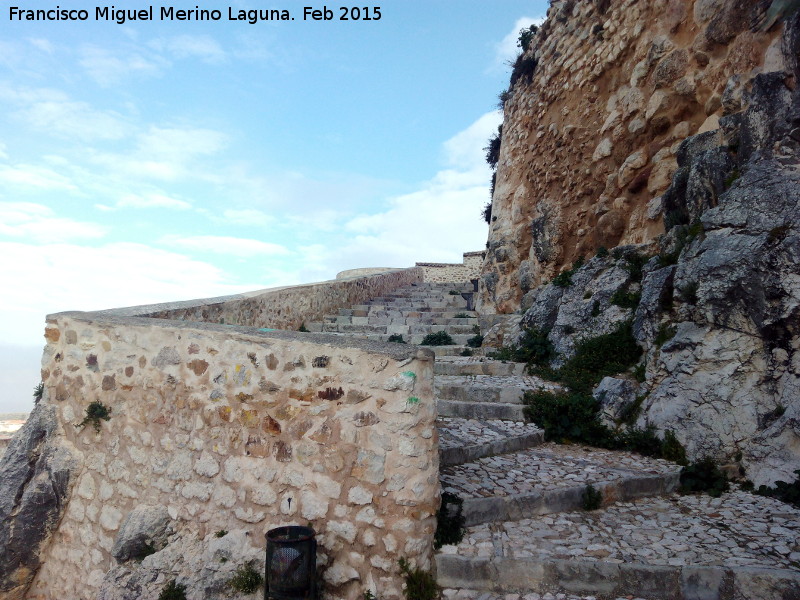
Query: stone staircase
point(522, 498)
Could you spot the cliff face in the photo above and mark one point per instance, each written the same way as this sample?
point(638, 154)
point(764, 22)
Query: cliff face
point(606, 92)
point(717, 312)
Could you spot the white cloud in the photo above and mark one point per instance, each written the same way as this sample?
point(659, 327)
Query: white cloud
point(152, 200)
point(108, 69)
point(176, 143)
point(35, 178)
point(506, 50)
point(220, 244)
point(465, 150)
point(84, 278)
point(247, 216)
point(39, 223)
point(42, 44)
point(203, 47)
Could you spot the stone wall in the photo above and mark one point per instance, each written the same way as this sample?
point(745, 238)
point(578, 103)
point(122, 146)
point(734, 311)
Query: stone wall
point(284, 307)
point(362, 272)
point(468, 270)
point(216, 429)
point(604, 96)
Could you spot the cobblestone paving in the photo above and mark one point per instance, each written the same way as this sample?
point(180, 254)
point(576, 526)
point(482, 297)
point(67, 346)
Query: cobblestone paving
point(457, 433)
point(738, 529)
point(546, 467)
point(453, 594)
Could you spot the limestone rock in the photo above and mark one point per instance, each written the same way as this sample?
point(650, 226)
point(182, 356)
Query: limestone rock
point(144, 525)
point(36, 473)
point(614, 396)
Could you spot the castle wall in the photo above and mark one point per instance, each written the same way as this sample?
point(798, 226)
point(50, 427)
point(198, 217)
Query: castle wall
point(468, 270)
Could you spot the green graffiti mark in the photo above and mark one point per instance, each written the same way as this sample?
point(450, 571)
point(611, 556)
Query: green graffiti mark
point(412, 400)
point(410, 374)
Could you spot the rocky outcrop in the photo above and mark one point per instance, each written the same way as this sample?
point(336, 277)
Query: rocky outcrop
point(36, 474)
point(600, 103)
point(719, 308)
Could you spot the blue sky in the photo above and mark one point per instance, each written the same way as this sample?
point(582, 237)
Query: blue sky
point(157, 161)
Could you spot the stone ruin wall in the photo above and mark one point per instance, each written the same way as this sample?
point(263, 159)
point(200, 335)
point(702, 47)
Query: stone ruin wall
point(224, 428)
point(223, 425)
point(283, 308)
point(589, 142)
point(468, 270)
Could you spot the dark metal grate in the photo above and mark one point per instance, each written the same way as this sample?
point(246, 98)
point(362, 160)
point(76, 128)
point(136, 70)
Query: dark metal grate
point(291, 563)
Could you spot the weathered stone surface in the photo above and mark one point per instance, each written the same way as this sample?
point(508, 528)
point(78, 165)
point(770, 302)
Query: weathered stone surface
point(614, 396)
point(144, 525)
point(36, 473)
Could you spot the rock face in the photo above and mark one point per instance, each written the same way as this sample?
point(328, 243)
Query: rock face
point(719, 312)
point(590, 137)
point(35, 478)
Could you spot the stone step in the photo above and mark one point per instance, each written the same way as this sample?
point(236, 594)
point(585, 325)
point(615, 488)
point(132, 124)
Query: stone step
point(739, 546)
point(552, 478)
point(362, 325)
point(507, 389)
point(466, 440)
point(457, 349)
point(477, 365)
point(481, 410)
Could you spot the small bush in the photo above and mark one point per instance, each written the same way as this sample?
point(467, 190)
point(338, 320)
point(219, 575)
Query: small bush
point(602, 252)
point(303, 328)
point(785, 492)
point(368, 595)
point(591, 498)
point(703, 476)
point(502, 98)
point(778, 234)
point(672, 449)
point(420, 585)
point(475, 342)
point(454, 293)
point(487, 212)
point(568, 329)
point(643, 441)
point(567, 417)
point(732, 177)
point(630, 412)
point(640, 372)
point(221, 533)
point(493, 149)
point(440, 338)
point(689, 292)
point(526, 35)
point(596, 308)
point(564, 279)
point(38, 392)
point(449, 521)
point(94, 413)
point(665, 332)
point(396, 338)
point(523, 69)
point(634, 265)
point(173, 591)
point(147, 549)
point(466, 352)
point(463, 315)
point(246, 579)
point(625, 299)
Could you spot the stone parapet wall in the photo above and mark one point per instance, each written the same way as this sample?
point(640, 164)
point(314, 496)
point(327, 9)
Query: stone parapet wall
point(362, 272)
point(453, 272)
point(605, 94)
point(284, 307)
point(230, 429)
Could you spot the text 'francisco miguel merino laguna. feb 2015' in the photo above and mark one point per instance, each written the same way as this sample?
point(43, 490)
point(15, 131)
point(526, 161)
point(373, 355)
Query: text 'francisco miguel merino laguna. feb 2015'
point(120, 16)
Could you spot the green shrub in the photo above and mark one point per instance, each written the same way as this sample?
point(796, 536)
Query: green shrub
point(487, 212)
point(785, 492)
point(567, 417)
point(368, 595)
point(173, 591)
point(440, 338)
point(689, 292)
point(596, 308)
point(449, 521)
point(665, 332)
point(634, 265)
point(591, 498)
point(493, 149)
point(672, 449)
point(94, 413)
point(246, 579)
point(463, 315)
point(303, 328)
point(631, 411)
point(643, 441)
point(38, 392)
point(420, 585)
point(564, 279)
point(466, 352)
point(568, 329)
point(640, 372)
point(703, 476)
point(626, 299)
point(221, 533)
point(523, 69)
point(525, 38)
point(454, 293)
point(599, 357)
point(602, 252)
point(396, 338)
point(475, 342)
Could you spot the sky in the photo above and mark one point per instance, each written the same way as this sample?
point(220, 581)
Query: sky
point(164, 160)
